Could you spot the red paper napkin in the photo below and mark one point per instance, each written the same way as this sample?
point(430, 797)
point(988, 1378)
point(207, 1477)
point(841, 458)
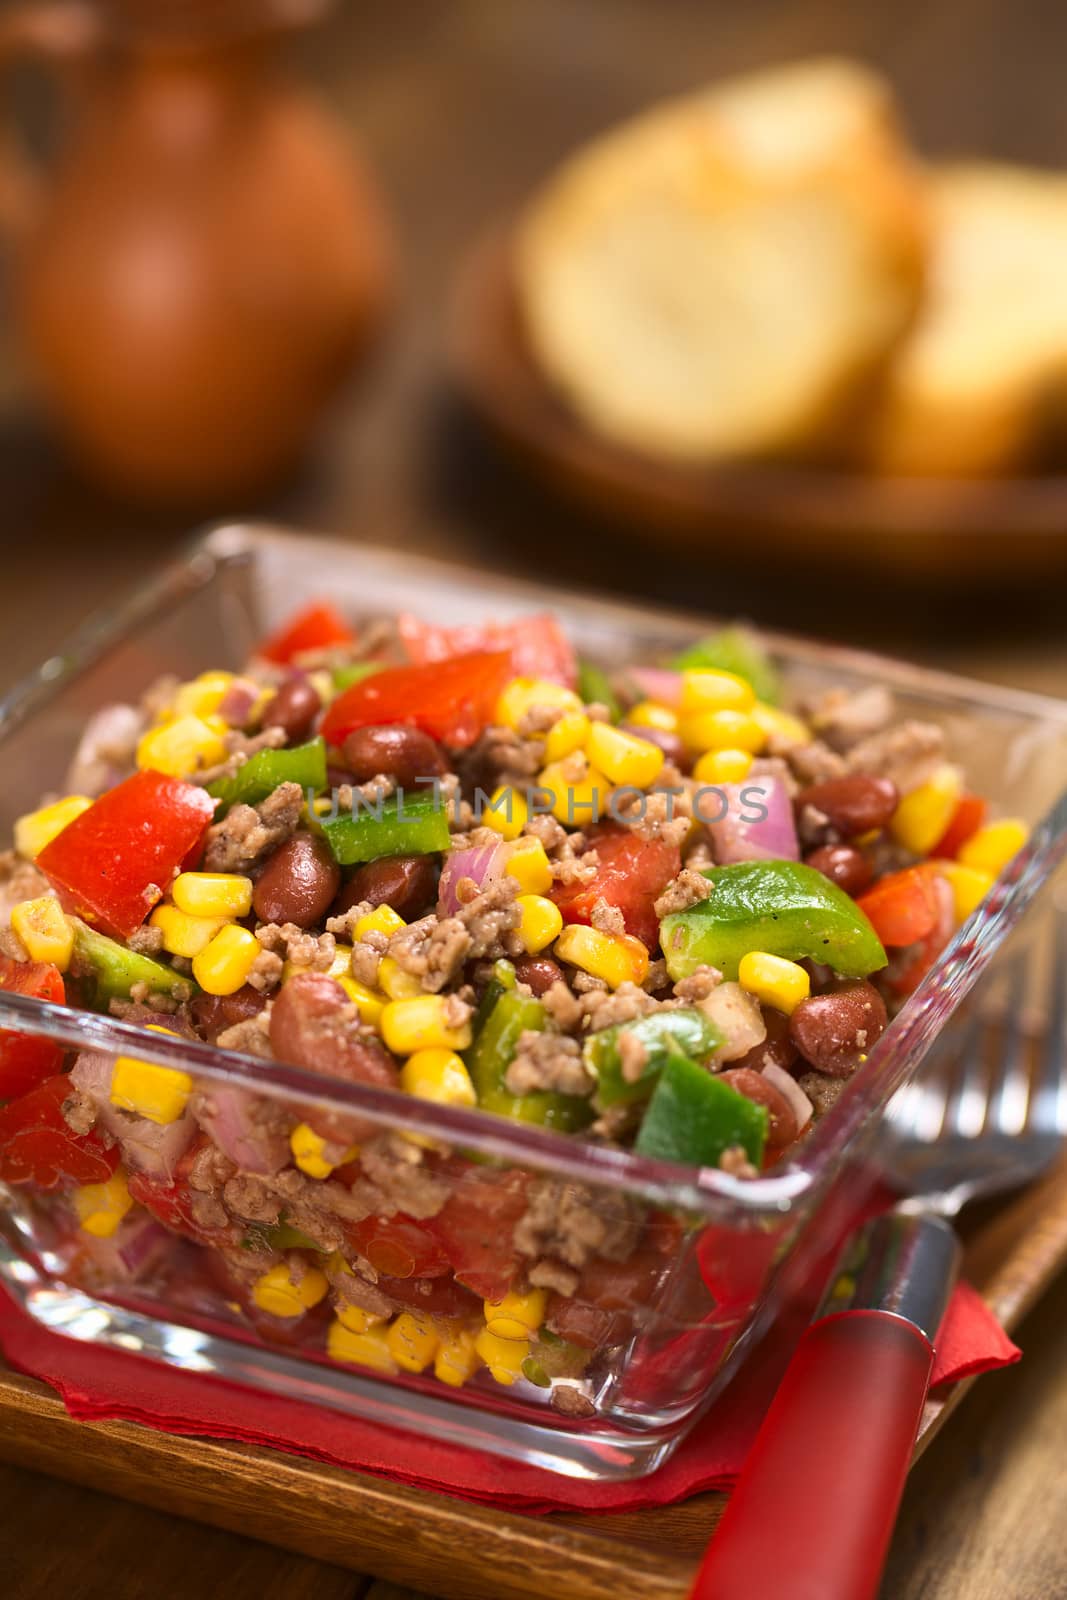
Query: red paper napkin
point(96, 1383)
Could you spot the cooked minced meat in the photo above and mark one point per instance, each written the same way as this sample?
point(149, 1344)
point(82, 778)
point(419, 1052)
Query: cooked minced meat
point(548, 1061)
point(571, 1223)
point(687, 889)
point(248, 834)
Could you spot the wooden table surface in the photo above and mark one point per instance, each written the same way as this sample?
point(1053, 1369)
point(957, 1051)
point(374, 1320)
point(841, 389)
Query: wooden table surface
point(463, 103)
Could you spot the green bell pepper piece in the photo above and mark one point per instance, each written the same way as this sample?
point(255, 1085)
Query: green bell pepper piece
point(552, 1357)
point(502, 980)
point(783, 907)
point(261, 774)
point(279, 1236)
point(109, 971)
point(594, 684)
point(735, 650)
point(492, 1053)
point(686, 1031)
point(693, 1117)
point(406, 825)
point(354, 672)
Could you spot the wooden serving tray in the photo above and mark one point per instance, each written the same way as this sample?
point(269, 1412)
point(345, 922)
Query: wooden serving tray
point(451, 1547)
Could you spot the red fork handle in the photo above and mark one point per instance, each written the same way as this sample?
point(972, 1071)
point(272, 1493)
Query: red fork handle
point(813, 1512)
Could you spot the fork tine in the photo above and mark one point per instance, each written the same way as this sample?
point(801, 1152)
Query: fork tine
point(1009, 1100)
point(968, 1097)
point(1049, 1103)
point(917, 1111)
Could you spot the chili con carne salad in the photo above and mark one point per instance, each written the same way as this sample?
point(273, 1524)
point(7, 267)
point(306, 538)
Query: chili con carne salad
point(654, 909)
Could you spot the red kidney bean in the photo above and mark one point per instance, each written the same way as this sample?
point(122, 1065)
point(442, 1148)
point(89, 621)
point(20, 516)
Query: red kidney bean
point(782, 1126)
point(540, 972)
point(294, 708)
point(854, 804)
point(669, 743)
point(404, 754)
point(214, 1013)
point(406, 883)
point(837, 1029)
point(298, 882)
point(843, 865)
point(777, 1048)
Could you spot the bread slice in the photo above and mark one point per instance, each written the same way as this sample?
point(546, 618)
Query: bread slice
point(974, 386)
point(713, 279)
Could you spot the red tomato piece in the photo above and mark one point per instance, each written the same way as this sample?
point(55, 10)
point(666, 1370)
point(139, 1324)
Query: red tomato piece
point(171, 1203)
point(439, 1296)
point(38, 1146)
point(25, 1061)
point(398, 1247)
point(450, 700)
point(317, 627)
point(903, 908)
point(603, 1308)
point(931, 946)
point(476, 1226)
point(537, 645)
point(110, 865)
point(966, 820)
point(633, 873)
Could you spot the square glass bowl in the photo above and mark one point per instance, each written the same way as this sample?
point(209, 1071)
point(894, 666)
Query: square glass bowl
point(698, 1264)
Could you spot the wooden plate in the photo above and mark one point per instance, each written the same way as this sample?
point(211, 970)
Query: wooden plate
point(957, 529)
point(450, 1547)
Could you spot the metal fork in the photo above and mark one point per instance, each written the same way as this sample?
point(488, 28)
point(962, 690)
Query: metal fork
point(971, 1126)
point(833, 1450)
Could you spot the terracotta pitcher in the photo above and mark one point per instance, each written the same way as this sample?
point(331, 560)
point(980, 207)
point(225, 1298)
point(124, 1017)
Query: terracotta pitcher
point(197, 271)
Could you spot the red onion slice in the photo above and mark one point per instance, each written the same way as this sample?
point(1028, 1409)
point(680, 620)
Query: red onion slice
point(742, 834)
point(150, 1147)
point(237, 703)
point(482, 864)
point(657, 683)
point(790, 1090)
point(245, 1127)
point(105, 751)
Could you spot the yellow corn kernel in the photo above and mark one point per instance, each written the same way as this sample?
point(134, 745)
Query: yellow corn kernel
point(368, 1002)
point(567, 735)
point(102, 1206)
point(577, 801)
point(44, 930)
point(159, 1093)
point(398, 984)
point(530, 867)
point(722, 730)
point(181, 747)
point(38, 828)
point(367, 1349)
point(517, 1315)
point(923, 814)
point(383, 919)
point(615, 957)
point(422, 1024)
point(522, 694)
point(623, 757)
point(969, 886)
point(356, 1320)
point(503, 1357)
point(992, 847)
point(184, 935)
point(308, 1146)
point(705, 689)
point(212, 894)
point(650, 714)
point(456, 1359)
point(777, 982)
point(783, 724)
point(222, 967)
point(723, 766)
point(413, 1340)
point(541, 922)
point(203, 696)
point(286, 1295)
point(506, 812)
point(440, 1076)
